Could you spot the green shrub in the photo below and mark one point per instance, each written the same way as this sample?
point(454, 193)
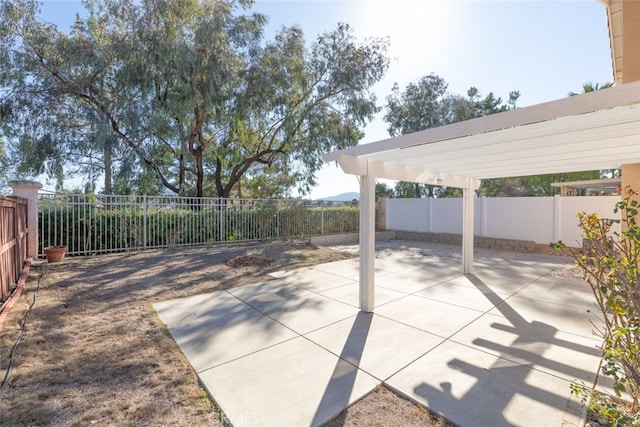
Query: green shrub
point(610, 263)
point(93, 228)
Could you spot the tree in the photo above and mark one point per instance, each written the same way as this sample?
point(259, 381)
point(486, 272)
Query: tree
point(422, 105)
point(531, 186)
point(590, 87)
point(191, 90)
point(475, 106)
point(427, 104)
point(383, 189)
point(4, 165)
point(409, 190)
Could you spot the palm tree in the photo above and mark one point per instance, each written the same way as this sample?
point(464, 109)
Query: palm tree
point(590, 87)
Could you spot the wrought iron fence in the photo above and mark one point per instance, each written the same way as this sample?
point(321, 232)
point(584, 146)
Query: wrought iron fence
point(92, 224)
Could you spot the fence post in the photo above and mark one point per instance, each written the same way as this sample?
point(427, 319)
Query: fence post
point(278, 219)
point(483, 216)
point(223, 211)
point(29, 190)
point(557, 212)
point(322, 219)
point(144, 222)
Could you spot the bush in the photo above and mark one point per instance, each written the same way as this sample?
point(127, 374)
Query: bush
point(610, 262)
point(88, 227)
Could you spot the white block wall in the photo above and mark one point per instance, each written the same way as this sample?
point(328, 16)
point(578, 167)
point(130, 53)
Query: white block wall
point(541, 219)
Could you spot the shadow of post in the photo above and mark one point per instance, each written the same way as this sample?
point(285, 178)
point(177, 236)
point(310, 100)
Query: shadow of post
point(338, 391)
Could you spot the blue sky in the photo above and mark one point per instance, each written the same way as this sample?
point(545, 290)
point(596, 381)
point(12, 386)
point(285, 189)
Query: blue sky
point(544, 49)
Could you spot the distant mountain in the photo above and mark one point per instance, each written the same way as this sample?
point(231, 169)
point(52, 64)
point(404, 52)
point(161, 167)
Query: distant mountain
point(344, 197)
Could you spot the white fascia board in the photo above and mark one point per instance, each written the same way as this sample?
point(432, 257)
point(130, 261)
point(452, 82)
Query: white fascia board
point(361, 166)
point(398, 172)
point(353, 165)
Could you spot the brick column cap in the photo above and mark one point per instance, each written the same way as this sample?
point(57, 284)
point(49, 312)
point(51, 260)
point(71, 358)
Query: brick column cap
point(25, 184)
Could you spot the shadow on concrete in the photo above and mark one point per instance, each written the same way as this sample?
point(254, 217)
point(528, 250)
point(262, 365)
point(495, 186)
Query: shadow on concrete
point(494, 387)
point(338, 391)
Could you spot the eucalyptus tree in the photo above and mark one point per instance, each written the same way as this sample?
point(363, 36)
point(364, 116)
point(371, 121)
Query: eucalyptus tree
point(192, 91)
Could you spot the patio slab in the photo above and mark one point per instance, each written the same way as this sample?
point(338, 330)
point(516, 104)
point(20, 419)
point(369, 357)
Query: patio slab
point(389, 345)
point(576, 293)
point(566, 318)
point(312, 279)
point(296, 383)
point(210, 339)
point(316, 311)
point(536, 344)
point(405, 283)
point(431, 316)
point(460, 292)
point(185, 311)
point(493, 348)
point(474, 388)
point(350, 294)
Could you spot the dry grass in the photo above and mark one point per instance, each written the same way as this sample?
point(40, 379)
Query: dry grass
point(95, 352)
point(383, 408)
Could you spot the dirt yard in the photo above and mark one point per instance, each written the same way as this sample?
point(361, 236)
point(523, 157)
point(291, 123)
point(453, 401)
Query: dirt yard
point(95, 353)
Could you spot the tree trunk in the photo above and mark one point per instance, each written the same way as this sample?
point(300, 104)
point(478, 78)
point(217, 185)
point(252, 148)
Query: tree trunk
point(200, 173)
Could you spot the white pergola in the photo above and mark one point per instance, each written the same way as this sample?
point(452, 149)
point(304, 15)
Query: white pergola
point(597, 130)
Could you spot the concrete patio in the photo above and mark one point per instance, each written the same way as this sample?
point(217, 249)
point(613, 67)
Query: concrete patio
point(496, 348)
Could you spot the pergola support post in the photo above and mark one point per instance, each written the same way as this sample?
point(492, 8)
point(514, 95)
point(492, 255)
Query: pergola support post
point(367, 240)
point(467, 230)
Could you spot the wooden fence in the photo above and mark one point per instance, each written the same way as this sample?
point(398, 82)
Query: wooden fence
point(13, 242)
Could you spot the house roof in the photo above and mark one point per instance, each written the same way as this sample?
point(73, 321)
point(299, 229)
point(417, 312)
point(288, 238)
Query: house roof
point(614, 20)
point(623, 17)
point(596, 130)
point(604, 183)
point(590, 183)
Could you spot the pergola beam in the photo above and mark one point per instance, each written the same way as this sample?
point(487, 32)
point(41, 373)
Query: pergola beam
point(360, 166)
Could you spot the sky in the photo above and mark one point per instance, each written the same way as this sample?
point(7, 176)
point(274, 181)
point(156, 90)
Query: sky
point(544, 48)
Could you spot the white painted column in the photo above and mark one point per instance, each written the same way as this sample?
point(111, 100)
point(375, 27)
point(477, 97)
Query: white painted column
point(467, 230)
point(29, 190)
point(367, 239)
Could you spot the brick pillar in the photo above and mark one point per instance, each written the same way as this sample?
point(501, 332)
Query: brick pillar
point(29, 190)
